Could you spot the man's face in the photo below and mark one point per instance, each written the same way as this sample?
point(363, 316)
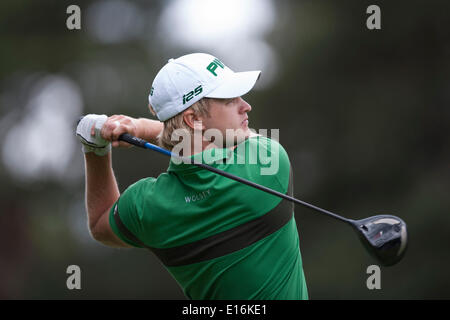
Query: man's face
point(231, 115)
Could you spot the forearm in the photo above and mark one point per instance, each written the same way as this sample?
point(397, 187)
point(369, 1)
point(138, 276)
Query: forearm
point(101, 187)
point(148, 129)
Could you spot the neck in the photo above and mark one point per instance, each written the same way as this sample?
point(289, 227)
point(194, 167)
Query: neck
point(200, 146)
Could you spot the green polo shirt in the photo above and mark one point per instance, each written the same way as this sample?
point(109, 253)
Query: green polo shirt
point(221, 239)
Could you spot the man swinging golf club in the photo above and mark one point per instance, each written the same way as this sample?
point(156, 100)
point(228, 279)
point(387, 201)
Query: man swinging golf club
point(219, 239)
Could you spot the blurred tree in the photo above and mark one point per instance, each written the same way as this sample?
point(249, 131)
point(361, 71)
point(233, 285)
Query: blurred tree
point(364, 115)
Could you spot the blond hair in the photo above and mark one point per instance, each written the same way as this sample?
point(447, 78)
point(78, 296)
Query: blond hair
point(164, 139)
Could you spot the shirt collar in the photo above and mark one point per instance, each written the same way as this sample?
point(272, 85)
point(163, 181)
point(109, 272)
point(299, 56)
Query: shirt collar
point(210, 157)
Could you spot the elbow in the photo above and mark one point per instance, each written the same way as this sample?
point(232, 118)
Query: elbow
point(96, 224)
point(102, 233)
point(96, 234)
point(97, 230)
point(101, 236)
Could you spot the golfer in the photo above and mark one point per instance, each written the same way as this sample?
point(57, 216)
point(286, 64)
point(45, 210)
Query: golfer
point(218, 238)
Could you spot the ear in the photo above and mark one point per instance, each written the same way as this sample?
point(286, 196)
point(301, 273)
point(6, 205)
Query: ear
point(192, 120)
point(151, 110)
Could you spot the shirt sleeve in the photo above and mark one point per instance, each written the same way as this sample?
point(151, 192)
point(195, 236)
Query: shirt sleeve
point(129, 208)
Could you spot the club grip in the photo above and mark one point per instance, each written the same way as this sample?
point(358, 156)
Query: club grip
point(133, 140)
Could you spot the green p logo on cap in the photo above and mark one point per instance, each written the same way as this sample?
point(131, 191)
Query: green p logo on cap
point(213, 66)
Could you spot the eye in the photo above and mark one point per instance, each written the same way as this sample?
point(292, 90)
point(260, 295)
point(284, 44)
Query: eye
point(229, 101)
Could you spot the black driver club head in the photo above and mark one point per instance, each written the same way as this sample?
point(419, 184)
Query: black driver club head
point(384, 236)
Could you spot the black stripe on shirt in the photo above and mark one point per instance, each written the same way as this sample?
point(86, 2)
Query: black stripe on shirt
point(224, 242)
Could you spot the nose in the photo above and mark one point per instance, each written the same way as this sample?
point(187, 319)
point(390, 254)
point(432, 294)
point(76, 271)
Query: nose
point(244, 107)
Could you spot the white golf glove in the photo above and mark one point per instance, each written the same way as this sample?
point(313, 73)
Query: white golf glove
point(95, 143)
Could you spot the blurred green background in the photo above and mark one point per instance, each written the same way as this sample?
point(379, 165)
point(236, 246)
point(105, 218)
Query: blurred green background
point(364, 116)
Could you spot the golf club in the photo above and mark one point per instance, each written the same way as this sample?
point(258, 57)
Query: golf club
point(384, 236)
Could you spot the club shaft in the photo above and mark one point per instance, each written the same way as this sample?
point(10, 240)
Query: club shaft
point(144, 144)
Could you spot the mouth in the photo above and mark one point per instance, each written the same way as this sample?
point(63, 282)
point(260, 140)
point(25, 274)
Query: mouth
point(245, 122)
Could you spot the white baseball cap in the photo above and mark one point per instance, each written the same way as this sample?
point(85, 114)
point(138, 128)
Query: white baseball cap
point(184, 81)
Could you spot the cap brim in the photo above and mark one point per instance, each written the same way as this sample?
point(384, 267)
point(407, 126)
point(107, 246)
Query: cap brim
point(237, 84)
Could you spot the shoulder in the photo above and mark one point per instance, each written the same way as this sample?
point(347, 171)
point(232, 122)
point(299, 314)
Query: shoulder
point(269, 142)
point(138, 186)
point(273, 160)
point(267, 146)
point(133, 195)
